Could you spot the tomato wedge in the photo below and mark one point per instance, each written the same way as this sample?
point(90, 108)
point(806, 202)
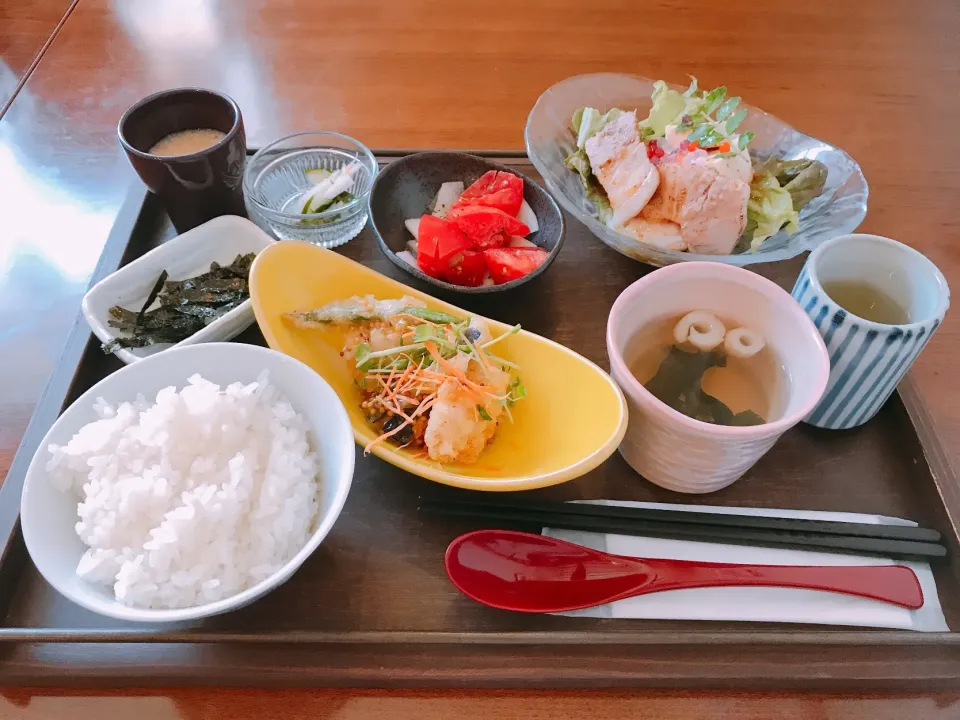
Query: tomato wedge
point(486, 227)
point(466, 268)
point(496, 189)
point(437, 242)
point(509, 264)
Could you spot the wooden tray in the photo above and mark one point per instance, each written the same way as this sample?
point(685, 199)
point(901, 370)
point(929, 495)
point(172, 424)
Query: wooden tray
point(373, 607)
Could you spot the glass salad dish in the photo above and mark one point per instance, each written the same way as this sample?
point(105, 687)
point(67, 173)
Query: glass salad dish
point(838, 209)
point(311, 186)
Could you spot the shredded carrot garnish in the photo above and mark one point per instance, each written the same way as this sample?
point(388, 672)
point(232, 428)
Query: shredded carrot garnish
point(381, 438)
point(450, 368)
point(403, 375)
point(386, 386)
point(407, 379)
point(481, 357)
point(393, 372)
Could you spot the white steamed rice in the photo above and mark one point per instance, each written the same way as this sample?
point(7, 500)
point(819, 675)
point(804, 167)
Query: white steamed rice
point(194, 498)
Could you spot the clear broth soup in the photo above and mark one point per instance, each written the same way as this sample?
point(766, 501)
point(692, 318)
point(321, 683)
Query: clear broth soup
point(750, 390)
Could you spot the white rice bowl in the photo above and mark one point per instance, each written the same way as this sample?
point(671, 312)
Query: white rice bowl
point(194, 498)
point(190, 499)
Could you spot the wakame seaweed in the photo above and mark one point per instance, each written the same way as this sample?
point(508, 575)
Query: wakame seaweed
point(679, 384)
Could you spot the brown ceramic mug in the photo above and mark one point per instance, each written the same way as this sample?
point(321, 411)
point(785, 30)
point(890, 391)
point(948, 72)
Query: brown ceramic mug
point(198, 186)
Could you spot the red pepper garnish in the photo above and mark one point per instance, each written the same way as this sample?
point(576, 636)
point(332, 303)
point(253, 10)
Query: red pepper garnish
point(724, 147)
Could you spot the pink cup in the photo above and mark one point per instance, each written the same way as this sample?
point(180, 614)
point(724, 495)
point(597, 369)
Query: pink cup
point(677, 452)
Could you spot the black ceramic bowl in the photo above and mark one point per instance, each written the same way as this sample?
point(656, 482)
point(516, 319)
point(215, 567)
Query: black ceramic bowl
point(198, 186)
point(405, 188)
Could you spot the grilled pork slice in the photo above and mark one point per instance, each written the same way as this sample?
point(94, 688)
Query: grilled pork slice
point(659, 233)
point(619, 159)
point(709, 206)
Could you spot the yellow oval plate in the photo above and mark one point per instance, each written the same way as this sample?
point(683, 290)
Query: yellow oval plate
point(572, 419)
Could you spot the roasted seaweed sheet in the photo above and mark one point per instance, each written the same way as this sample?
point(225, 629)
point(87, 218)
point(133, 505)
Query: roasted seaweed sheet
point(186, 306)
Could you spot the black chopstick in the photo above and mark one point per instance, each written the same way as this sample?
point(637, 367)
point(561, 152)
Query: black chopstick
point(894, 549)
point(824, 527)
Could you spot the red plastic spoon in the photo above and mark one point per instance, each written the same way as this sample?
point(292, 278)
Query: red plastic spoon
point(532, 573)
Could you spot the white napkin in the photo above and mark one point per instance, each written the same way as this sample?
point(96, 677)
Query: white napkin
point(754, 604)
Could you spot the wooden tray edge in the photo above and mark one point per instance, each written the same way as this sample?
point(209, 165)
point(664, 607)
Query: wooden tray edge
point(944, 477)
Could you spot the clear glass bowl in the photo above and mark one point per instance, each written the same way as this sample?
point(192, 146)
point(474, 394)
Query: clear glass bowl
point(837, 211)
point(275, 180)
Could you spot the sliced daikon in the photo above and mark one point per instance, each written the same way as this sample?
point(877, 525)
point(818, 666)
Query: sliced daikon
point(315, 175)
point(413, 247)
point(520, 242)
point(449, 193)
point(527, 217)
point(329, 188)
point(407, 258)
point(413, 225)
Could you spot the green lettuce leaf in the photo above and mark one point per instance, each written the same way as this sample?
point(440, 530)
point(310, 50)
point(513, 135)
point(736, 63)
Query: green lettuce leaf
point(598, 197)
point(576, 120)
point(807, 184)
point(588, 126)
point(771, 208)
point(668, 107)
point(803, 179)
point(580, 164)
point(587, 122)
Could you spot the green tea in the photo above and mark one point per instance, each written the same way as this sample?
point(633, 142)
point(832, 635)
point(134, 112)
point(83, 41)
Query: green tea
point(867, 301)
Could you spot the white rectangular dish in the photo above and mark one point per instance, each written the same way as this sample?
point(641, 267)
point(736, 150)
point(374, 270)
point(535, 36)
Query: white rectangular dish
point(187, 255)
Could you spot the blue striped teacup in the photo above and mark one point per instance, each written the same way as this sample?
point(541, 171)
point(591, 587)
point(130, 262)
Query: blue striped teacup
point(868, 359)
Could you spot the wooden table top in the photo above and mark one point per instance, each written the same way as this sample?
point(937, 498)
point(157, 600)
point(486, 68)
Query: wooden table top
point(513, 705)
point(25, 30)
point(879, 79)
